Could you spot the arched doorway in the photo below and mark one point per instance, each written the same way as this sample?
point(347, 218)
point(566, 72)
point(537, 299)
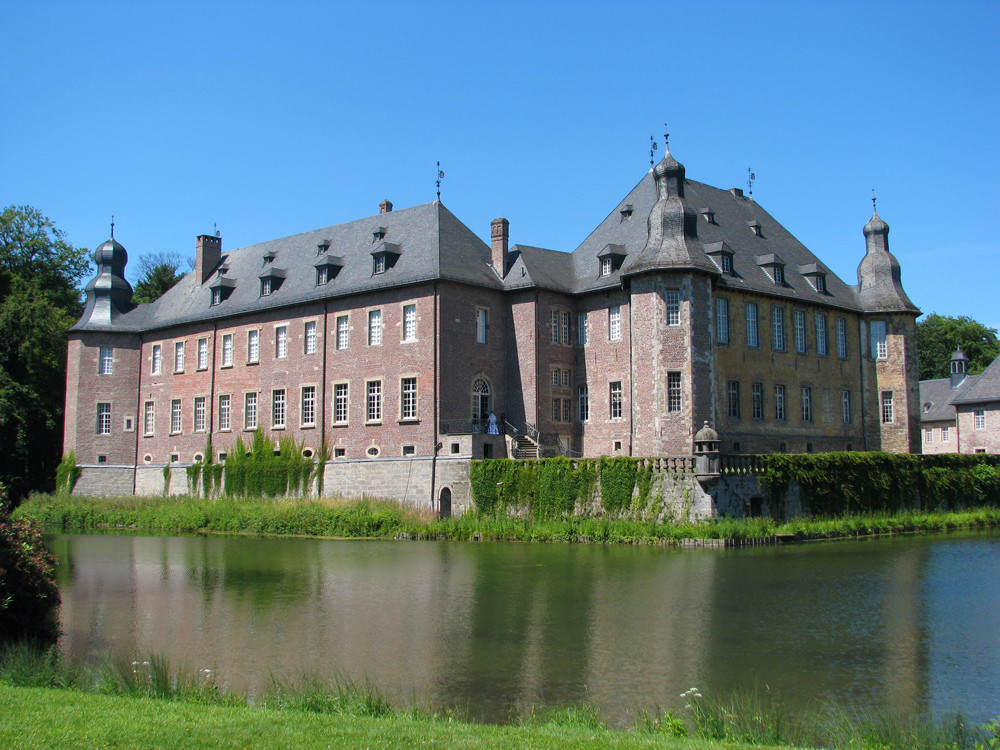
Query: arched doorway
point(480, 401)
point(444, 503)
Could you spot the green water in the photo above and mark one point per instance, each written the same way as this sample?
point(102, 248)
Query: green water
point(494, 628)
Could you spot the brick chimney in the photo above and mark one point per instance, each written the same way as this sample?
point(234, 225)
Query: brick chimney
point(500, 236)
point(384, 207)
point(208, 254)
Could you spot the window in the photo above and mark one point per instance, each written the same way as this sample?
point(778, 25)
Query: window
point(583, 402)
point(733, 393)
point(128, 425)
point(310, 337)
point(103, 419)
point(721, 320)
point(821, 335)
point(339, 452)
point(757, 396)
point(944, 435)
point(322, 275)
point(555, 377)
point(202, 349)
point(250, 411)
point(217, 296)
point(556, 409)
point(179, 356)
point(105, 360)
point(567, 378)
point(199, 414)
point(605, 266)
point(409, 322)
point(175, 416)
point(673, 391)
point(779, 403)
point(581, 329)
point(225, 412)
point(616, 400)
point(779, 275)
point(482, 324)
point(979, 419)
point(778, 329)
point(149, 418)
point(409, 450)
point(929, 435)
point(278, 408)
point(753, 331)
point(615, 323)
point(727, 263)
point(374, 328)
point(845, 406)
point(879, 345)
point(480, 400)
point(841, 338)
point(281, 342)
point(374, 405)
point(378, 263)
point(227, 350)
point(800, 332)
point(342, 328)
point(673, 299)
point(156, 361)
point(340, 393)
point(408, 398)
point(888, 416)
point(253, 346)
point(308, 411)
point(807, 404)
point(564, 328)
point(567, 410)
point(265, 286)
point(554, 326)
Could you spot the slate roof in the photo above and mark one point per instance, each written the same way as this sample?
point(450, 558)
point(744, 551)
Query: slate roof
point(941, 397)
point(985, 388)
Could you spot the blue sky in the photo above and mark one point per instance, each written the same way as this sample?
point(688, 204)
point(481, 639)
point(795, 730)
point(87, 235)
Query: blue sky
point(274, 119)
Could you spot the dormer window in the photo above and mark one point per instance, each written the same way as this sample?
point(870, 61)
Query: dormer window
point(779, 275)
point(265, 286)
point(774, 266)
point(216, 296)
point(708, 213)
point(379, 263)
point(384, 257)
point(606, 266)
point(816, 275)
point(269, 258)
point(727, 264)
point(327, 267)
point(378, 234)
point(221, 288)
point(323, 247)
point(821, 284)
point(271, 281)
point(611, 258)
point(626, 212)
point(322, 275)
point(755, 227)
point(722, 255)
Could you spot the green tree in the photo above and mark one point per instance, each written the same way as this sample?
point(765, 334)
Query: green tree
point(158, 272)
point(39, 301)
point(938, 336)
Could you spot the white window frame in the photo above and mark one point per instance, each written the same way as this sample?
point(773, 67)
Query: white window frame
point(615, 323)
point(202, 354)
point(375, 327)
point(616, 396)
point(778, 341)
point(928, 435)
point(675, 394)
point(281, 342)
point(841, 325)
point(721, 320)
point(279, 408)
point(979, 419)
point(801, 345)
point(583, 399)
point(307, 400)
point(582, 332)
point(757, 400)
point(106, 361)
point(888, 408)
point(253, 346)
point(945, 434)
point(176, 417)
point(564, 328)
point(225, 412)
point(878, 336)
point(149, 418)
point(373, 401)
point(227, 350)
point(341, 403)
point(156, 360)
point(753, 326)
point(482, 325)
point(103, 418)
point(672, 298)
point(309, 337)
point(200, 412)
point(178, 356)
point(409, 322)
point(343, 332)
point(820, 321)
point(554, 326)
point(780, 412)
point(408, 398)
point(807, 406)
point(251, 410)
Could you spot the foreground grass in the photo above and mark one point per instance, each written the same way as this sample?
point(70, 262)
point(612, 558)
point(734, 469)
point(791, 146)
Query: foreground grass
point(324, 517)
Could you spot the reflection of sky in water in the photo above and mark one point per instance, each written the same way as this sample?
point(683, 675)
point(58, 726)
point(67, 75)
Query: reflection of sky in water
point(495, 628)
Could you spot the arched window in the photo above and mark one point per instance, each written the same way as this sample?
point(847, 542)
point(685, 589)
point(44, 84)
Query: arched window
point(480, 401)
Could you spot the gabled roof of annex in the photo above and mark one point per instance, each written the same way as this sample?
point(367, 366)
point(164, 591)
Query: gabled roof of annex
point(986, 387)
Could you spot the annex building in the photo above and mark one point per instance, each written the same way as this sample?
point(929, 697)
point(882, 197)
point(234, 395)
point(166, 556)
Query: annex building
point(961, 413)
point(391, 339)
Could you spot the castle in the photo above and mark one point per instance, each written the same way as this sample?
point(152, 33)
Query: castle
point(397, 341)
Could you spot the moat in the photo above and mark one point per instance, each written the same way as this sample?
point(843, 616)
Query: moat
point(494, 628)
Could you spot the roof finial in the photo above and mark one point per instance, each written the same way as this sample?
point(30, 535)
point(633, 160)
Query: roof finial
point(666, 138)
point(439, 178)
point(874, 210)
point(112, 226)
point(750, 178)
point(652, 148)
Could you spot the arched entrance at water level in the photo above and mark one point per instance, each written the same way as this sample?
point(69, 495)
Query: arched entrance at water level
point(444, 503)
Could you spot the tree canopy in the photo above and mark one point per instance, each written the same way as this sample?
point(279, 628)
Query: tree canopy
point(39, 301)
point(938, 336)
point(158, 273)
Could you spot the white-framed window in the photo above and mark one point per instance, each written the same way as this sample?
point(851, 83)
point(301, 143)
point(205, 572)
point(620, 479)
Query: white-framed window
point(374, 328)
point(309, 334)
point(148, 417)
point(615, 323)
point(175, 416)
point(733, 399)
point(821, 335)
point(408, 398)
point(340, 395)
point(156, 360)
point(778, 329)
point(582, 333)
point(583, 402)
point(308, 402)
point(373, 407)
point(481, 400)
point(106, 361)
point(216, 296)
point(779, 403)
point(779, 275)
point(616, 400)
point(482, 325)
point(841, 325)
point(757, 400)
point(888, 413)
point(727, 263)
point(753, 329)
point(409, 322)
point(281, 342)
point(821, 284)
point(807, 404)
point(103, 418)
point(555, 377)
point(979, 419)
point(202, 349)
point(199, 414)
point(278, 408)
point(800, 332)
point(721, 320)
point(673, 391)
point(944, 435)
point(343, 327)
point(179, 356)
point(265, 286)
point(673, 299)
point(225, 412)
point(378, 263)
point(253, 346)
point(564, 328)
point(322, 275)
point(845, 406)
point(554, 326)
point(879, 342)
point(929, 435)
point(227, 350)
point(605, 266)
point(250, 410)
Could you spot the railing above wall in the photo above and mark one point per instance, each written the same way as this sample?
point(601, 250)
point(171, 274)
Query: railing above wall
point(749, 464)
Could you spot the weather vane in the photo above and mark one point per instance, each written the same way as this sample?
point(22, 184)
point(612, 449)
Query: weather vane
point(652, 148)
point(750, 178)
point(439, 178)
point(873, 201)
point(666, 138)
point(112, 226)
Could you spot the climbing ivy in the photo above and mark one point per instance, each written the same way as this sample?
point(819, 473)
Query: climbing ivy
point(67, 474)
point(618, 477)
point(264, 470)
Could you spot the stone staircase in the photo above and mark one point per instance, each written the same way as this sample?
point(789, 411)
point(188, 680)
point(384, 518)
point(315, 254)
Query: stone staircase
point(525, 447)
